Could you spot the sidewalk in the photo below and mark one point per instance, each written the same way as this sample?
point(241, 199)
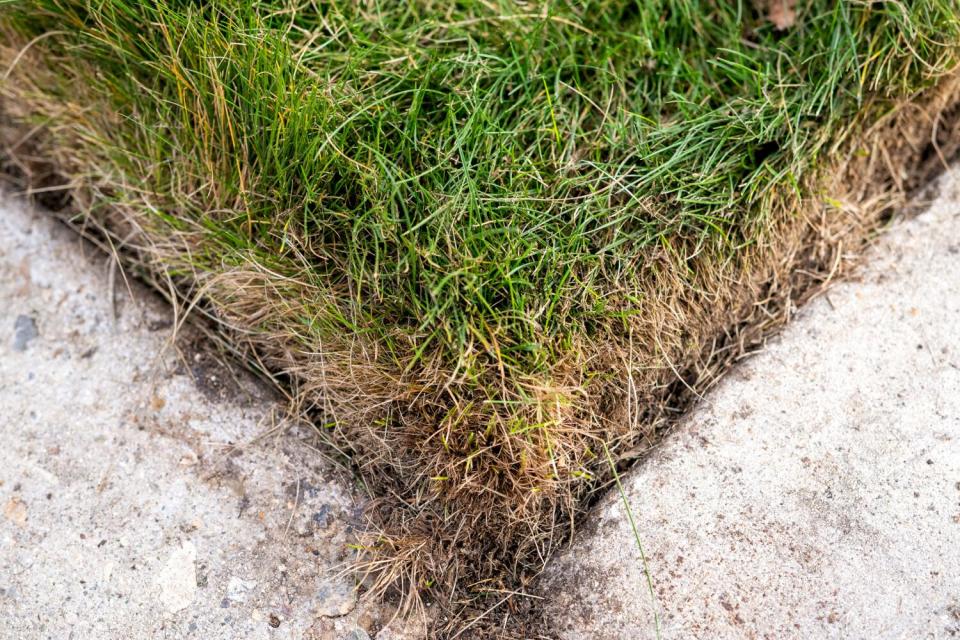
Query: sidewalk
point(147, 491)
point(815, 493)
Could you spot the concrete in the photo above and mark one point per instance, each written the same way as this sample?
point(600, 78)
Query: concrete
point(147, 491)
point(816, 492)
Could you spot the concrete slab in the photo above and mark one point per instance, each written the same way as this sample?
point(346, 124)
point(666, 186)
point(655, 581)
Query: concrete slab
point(816, 492)
point(146, 491)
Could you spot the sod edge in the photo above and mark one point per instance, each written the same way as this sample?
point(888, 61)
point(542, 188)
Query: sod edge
point(481, 460)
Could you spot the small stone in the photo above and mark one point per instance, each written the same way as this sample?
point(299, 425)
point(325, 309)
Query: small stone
point(189, 459)
point(238, 588)
point(16, 511)
point(177, 579)
point(24, 330)
point(366, 620)
point(303, 526)
point(336, 600)
point(324, 629)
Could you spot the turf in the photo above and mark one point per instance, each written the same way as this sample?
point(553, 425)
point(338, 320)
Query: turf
point(479, 240)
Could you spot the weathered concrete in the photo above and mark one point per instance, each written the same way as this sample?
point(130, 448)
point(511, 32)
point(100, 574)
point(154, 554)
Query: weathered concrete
point(145, 490)
point(816, 492)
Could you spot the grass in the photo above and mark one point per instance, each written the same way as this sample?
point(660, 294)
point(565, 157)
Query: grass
point(654, 603)
point(452, 229)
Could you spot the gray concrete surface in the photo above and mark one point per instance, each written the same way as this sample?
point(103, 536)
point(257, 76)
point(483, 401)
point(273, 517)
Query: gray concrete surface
point(816, 492)
point(146, 491)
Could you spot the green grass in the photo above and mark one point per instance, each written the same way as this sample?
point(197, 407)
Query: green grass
point(487, 195)
point(474, 179)
point(628, 510)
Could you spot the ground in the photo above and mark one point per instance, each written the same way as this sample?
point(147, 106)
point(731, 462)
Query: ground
point(148, 491)
point(816, 492)
point(456, 228)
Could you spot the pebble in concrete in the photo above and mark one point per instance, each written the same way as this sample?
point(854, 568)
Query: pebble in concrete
point(177, 579)
point(24, 330)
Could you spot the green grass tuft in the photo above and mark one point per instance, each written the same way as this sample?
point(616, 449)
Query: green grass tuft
point(477, 172)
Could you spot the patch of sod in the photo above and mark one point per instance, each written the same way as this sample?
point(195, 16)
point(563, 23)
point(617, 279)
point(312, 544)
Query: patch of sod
point(481, 240)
